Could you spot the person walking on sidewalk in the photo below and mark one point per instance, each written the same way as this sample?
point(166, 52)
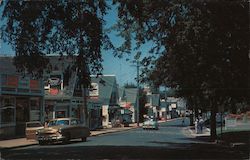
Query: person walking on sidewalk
point(183, 120)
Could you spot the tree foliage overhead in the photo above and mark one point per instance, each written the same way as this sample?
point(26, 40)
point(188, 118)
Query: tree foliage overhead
point(203, 47)
point(38, 28)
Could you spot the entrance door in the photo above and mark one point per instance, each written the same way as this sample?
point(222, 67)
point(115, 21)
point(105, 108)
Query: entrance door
point(62, 111)
point(22, 115)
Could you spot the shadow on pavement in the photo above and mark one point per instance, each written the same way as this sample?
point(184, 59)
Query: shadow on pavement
point(180, 151)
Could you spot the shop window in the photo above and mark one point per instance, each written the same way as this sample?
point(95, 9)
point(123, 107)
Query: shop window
point(34, 109)
point(49, 112)
point(7, 110)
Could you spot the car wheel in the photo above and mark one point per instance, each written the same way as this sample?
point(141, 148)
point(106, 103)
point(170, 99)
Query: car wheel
point(42, 143)
point(67, 138)
point(84, 139)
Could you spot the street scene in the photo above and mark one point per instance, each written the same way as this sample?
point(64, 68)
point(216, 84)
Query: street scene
point(172, 140)
point(122, 79)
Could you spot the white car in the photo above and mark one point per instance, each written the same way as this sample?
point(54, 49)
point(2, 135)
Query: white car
point(150, 124)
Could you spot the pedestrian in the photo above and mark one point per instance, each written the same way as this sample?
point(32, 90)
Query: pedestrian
point(196, 125)
point(201, 124)
point(183, 120)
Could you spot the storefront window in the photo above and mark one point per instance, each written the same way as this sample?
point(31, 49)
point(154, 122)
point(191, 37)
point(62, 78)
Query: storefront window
point(34, 109)
point(49, 108)
point(7, 110)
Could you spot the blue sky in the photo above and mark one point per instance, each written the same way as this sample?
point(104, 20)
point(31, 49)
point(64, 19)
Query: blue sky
point(124, 70)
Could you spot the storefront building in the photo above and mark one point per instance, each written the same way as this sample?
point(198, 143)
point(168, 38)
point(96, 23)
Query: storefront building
point(63, 94)
point(104, 91)
point(21, 100)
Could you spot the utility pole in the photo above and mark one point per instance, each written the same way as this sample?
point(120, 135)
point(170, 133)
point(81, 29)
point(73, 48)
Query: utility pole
point(138, 92)
point(137, 61)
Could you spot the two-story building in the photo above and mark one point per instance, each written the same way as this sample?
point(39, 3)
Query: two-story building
point(104, 91)
point(21, 99)
point(128, 102)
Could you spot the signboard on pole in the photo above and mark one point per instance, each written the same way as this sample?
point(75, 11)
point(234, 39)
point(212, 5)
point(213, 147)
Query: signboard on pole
point(94, 90)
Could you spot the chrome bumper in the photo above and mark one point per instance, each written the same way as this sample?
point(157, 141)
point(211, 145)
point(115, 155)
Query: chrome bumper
point(50, 138)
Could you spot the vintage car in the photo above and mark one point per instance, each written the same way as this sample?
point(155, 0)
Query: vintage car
point(31, 129)
point(150, 123)
point(62, 130)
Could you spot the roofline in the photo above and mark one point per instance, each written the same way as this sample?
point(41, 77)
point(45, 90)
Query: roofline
point(107, 75)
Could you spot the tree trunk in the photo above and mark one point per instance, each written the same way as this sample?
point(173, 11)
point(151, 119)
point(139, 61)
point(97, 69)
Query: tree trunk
point(192, 119)
point(196, 112)
point(85, 108)
point(213, 134)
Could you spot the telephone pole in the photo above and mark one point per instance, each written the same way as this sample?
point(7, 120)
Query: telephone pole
point(138, 92)
point(137, 61)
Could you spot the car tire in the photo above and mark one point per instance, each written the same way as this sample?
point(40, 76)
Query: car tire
point(42, 143)
point(67, 138)
point(84, 139)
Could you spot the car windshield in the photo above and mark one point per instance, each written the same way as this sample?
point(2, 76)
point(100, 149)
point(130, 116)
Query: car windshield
point(58, 123)
point(31, 125)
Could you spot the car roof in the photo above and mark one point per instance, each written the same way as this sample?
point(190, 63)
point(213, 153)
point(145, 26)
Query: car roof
point(63, 119)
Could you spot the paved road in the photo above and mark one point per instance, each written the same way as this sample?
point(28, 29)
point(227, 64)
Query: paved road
point(170, 141)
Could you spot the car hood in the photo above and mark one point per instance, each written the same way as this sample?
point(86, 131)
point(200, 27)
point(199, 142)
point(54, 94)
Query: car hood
point(52, 129)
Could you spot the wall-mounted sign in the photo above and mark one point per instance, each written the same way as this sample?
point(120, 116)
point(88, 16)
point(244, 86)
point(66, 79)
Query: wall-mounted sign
point(55, 84)
point(54, 81)
point(23, 83)
point(34, 84)
point(94, 90)
point(12, 81)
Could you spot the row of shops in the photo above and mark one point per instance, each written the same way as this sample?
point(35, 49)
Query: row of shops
point(57, 95)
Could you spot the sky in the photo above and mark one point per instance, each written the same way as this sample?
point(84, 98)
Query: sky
point(124, 70)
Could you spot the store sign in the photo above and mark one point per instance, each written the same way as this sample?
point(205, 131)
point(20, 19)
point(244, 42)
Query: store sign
point(54, 91)
point(34, 84)
point(94, 90)
point(12, 81)
point(23, 83)
point(54, 83)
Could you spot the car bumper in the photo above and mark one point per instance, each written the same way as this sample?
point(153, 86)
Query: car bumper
point(149, 127)
point(50, 138)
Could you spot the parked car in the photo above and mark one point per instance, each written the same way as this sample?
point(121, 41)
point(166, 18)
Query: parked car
point(187, 113)
point(126, 120)
point(31, 129)
point(150, 123)
point(62, 130)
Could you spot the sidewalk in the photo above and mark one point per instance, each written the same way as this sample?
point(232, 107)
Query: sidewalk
point(23, 142)
point(205, 132)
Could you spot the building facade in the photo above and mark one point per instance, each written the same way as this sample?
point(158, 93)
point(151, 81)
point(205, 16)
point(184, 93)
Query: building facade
point(104, 91)
point(21, 99)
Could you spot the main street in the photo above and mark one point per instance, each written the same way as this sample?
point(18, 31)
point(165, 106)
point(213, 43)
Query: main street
point(172, 140)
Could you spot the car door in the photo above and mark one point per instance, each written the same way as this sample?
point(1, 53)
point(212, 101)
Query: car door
point(74, 128)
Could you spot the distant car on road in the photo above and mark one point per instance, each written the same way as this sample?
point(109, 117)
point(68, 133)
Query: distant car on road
point(31, 129)
point(150, 123)
point(187, 113)
point(62, 130)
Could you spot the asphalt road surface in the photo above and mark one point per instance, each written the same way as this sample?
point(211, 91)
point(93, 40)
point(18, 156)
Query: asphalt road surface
point(171, 141)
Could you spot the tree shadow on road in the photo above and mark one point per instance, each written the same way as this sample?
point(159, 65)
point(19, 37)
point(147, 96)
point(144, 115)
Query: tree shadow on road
point(177, 151)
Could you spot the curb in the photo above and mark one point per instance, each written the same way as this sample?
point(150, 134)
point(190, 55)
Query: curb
point(27, 145)
point(15, 147)
point(99, 134)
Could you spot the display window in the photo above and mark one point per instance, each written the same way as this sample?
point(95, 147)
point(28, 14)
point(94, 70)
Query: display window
point(7, 110)
point(35, 109)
